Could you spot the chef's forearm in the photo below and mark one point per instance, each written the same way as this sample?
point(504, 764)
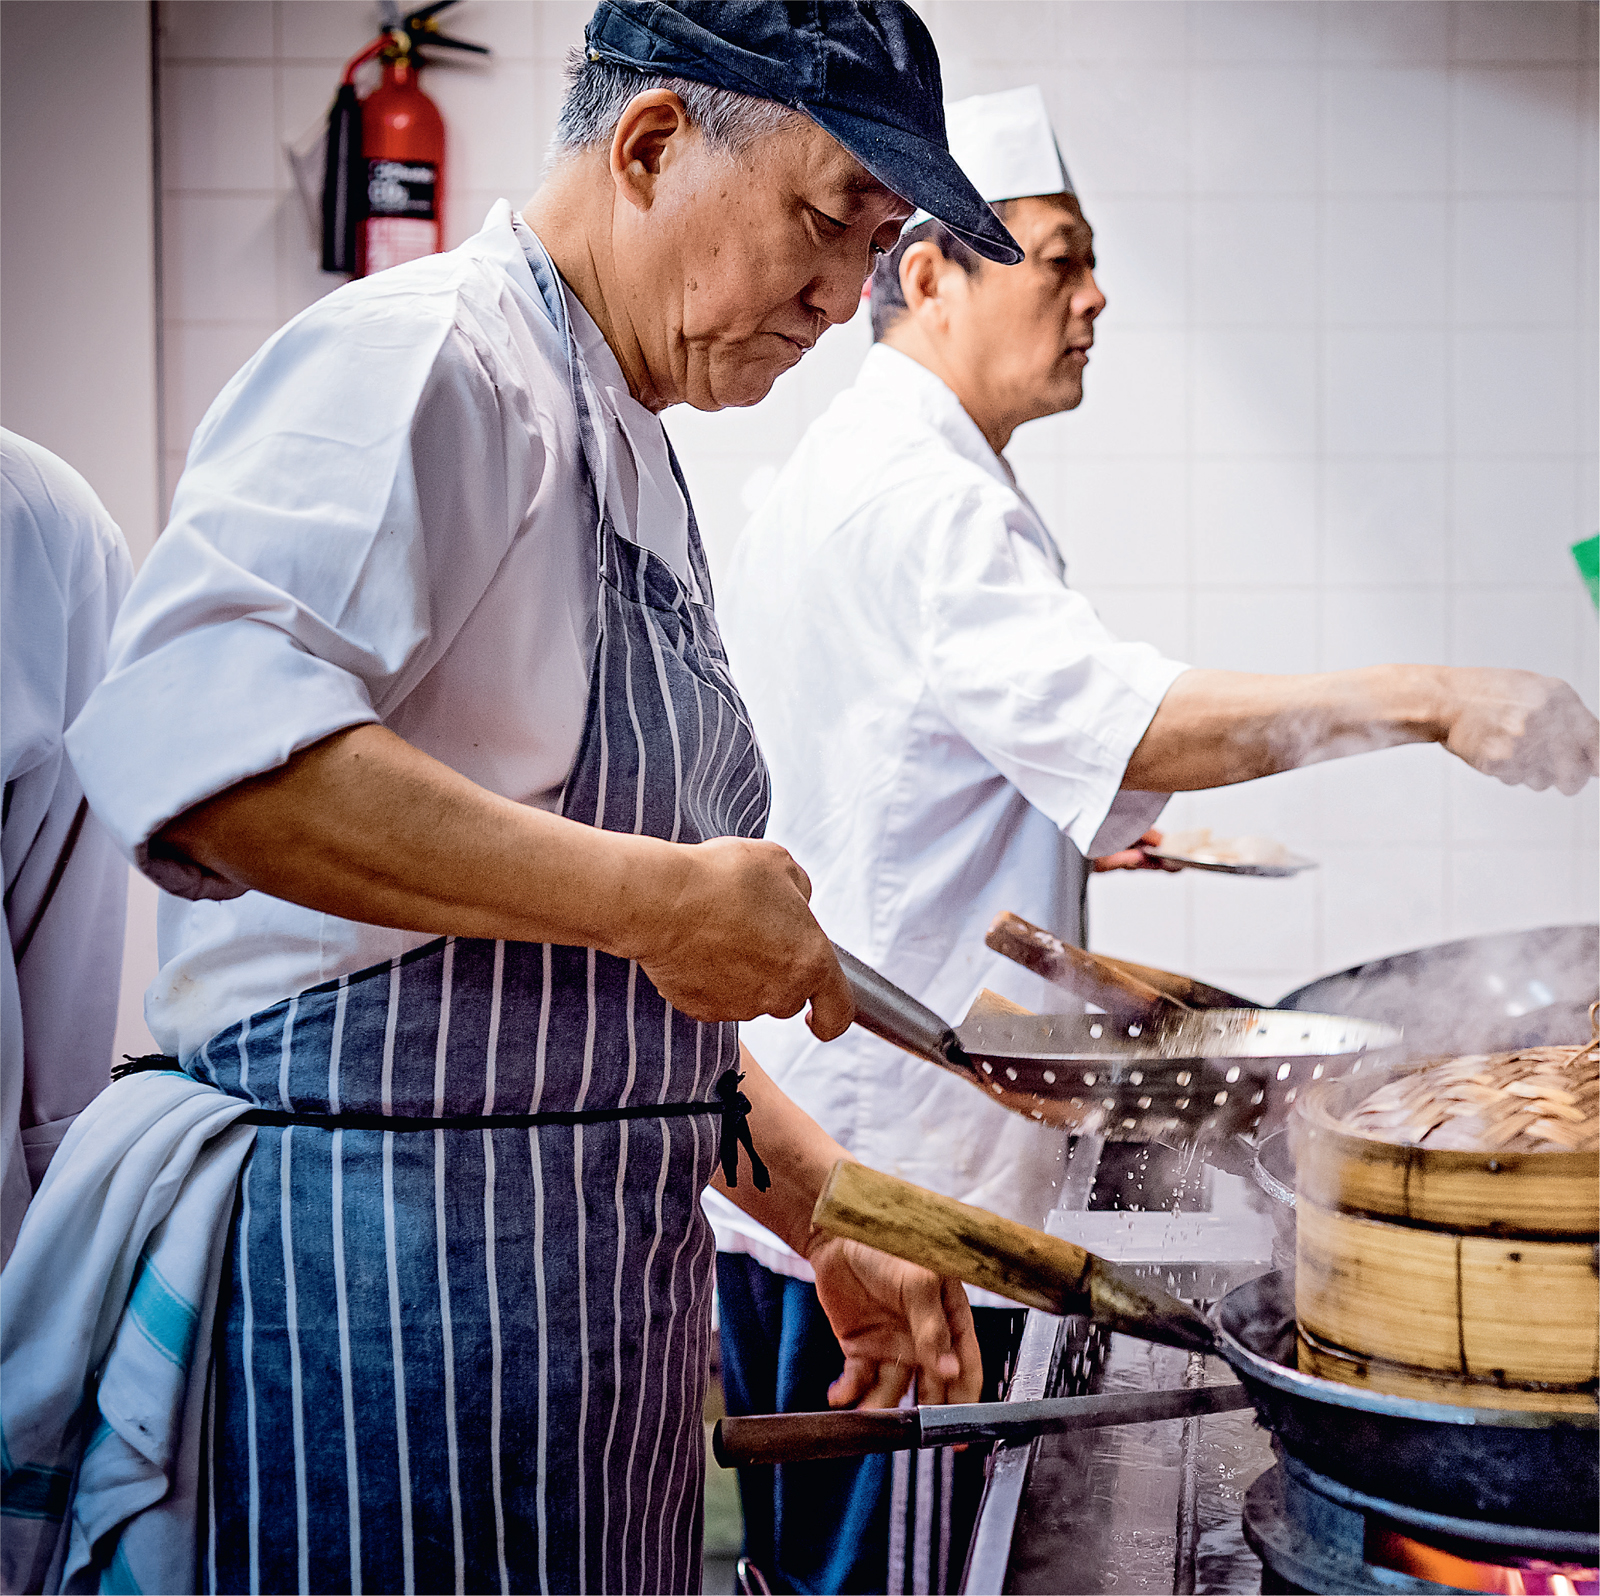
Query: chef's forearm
point(1214, 728)
point(365, 826)
point(798, 1154)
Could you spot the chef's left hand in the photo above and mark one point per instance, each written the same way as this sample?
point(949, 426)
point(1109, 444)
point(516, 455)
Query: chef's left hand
point(1138, 857)
point(895, 1323)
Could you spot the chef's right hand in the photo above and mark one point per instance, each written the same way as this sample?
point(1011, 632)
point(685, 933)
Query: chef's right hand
point(1524, 729)
point(734, 937)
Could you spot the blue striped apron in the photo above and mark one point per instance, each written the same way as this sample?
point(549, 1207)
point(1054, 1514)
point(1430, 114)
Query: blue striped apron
point(474, 1359)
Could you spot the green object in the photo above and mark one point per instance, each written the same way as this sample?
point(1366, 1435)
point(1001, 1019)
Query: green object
point(1587, 554)
point(724, 1520)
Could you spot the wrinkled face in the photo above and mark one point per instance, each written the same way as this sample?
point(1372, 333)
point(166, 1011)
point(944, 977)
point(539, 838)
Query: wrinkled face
point(1029, 327)
point(740, 261)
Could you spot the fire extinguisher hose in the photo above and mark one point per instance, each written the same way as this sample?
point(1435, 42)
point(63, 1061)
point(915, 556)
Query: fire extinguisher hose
point(344, 180)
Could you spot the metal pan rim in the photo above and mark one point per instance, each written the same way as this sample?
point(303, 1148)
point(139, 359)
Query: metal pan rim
point(1254, 1366)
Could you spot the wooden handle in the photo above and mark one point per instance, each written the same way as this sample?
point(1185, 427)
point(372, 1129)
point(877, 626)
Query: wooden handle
point(1180, 988)
point(954, 1238)
point(1127, 999)
point(998, 1254)
point(806, 1437)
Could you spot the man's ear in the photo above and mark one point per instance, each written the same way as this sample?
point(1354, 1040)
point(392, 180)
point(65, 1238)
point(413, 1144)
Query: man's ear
point(643, 143)
point(922, 277)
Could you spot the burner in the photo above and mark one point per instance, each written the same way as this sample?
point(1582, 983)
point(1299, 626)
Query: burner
point(1461, 1565)
point(1314, 1534)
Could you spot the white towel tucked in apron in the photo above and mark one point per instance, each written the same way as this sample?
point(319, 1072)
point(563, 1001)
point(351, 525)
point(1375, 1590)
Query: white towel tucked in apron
point(111, 1288)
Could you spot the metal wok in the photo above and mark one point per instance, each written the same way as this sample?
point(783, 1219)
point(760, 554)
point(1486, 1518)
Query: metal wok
point(1478, 995)
point(1536, 1469)
point(1197, 1076)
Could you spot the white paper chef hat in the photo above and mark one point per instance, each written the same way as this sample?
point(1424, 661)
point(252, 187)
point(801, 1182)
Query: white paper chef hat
point(1005, 144)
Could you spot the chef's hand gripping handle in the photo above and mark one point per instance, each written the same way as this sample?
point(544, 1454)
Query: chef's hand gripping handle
point(1000, 1255)
point(896, 1016)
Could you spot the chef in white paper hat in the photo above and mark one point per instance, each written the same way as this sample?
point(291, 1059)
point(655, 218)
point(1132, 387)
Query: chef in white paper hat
point(951, 732)
point(1006, 146)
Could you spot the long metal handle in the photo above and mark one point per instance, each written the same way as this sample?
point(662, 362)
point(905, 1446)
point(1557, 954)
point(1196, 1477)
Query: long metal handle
point(1021, 1421)
point(808, 1437)
point(888, 1011)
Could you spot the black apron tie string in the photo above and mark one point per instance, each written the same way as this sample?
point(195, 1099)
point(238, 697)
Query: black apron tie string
point(736, 1130)
point(731, 1104)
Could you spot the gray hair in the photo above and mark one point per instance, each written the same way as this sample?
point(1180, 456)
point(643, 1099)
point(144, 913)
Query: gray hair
point(888, 302)
point(598, 93)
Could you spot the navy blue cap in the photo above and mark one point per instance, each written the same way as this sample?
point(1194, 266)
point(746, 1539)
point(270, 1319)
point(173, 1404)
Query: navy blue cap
point(864, 70)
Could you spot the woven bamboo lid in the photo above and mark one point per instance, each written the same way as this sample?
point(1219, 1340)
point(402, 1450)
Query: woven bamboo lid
point(1501, 1143)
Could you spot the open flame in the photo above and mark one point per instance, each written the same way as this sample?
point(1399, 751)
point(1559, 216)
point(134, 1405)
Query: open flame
point(1508, 1575)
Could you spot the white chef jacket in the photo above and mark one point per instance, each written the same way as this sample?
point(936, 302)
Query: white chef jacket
point(65, 569)
point(946, 722)
point(384, 517)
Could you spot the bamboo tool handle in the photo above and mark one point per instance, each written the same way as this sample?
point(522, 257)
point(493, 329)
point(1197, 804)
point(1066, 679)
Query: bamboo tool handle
point(1127, 999)
point(999, 1255)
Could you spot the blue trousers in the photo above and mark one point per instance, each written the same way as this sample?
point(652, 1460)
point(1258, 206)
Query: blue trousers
point(842, 1525)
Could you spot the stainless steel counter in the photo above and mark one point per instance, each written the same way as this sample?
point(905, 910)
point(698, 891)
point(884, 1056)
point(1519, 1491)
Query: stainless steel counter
point(1139, 1508)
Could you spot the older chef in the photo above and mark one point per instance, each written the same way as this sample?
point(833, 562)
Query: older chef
point(419, 714)
point(63, 570)
point(948, 723)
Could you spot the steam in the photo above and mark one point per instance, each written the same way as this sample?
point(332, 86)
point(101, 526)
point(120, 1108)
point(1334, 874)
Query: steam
point(1482, 995)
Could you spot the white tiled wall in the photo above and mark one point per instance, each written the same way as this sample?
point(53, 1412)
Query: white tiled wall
point(1342, 408)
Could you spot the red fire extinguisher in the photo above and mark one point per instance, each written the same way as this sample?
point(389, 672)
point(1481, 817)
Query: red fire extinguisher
point(383, 196)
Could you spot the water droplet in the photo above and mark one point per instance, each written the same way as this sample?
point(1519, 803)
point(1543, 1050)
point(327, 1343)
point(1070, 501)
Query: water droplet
point(1184, 1077)
point(1137, 1077)
point(1233, 1073)
point(1283, 1072)
point(1316, 1073)
point(1144, 1102)
point(1094, 1030)
point(1220, 1099)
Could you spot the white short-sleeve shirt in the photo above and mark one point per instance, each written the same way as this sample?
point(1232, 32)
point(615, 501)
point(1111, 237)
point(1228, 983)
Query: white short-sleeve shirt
point(63, 570)
point(384, 517)
point(947, 722)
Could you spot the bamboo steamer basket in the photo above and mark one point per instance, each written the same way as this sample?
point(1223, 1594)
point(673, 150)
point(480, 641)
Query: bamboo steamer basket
point(1469, 1277)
